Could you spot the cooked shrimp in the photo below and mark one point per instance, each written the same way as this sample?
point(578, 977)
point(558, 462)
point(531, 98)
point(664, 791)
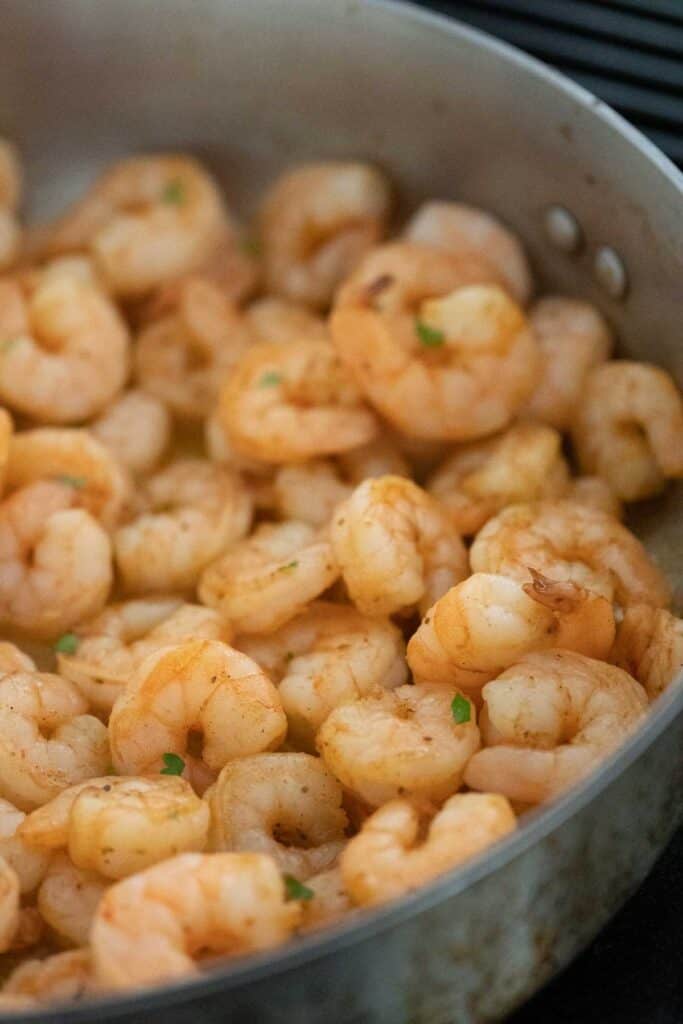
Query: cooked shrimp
point(400, 742)
point(387, 858)
point(264, 581)
point(10, 195)
point(480, 478)
point(325, 656)
point(316, 222)
point(280, 321)
point(195, 511)
point(549, 720)
point(12, 659)
point(29, 863)
point(68, 898)
point(226, 903)
point(439, 354)
point(64, 348)
point(329, 900)
point(201, 687)
point(9, 904)
point(567, 541)
point(288, 403)
point(136, 429)
point(594, 492)
point(573, 337)
point(55, 560)
point(309, 491)
point(58, 977)
point(649, 647)
point(628, 428)
point(395, 546)
point(469, 231)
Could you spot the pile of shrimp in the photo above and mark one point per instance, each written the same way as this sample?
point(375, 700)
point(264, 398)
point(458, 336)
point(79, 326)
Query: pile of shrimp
point(312, 575)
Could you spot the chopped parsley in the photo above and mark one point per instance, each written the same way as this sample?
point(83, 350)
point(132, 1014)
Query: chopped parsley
point(430, 337)
point(174, 193)
point(269, 379)
point(173, 764)
point(288, 567)
point(296, 890)
point(460, 709)
point(8, 343)
point(77, 482)
point(67, 644)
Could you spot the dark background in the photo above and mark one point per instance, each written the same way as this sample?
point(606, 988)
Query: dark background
point(630, 53)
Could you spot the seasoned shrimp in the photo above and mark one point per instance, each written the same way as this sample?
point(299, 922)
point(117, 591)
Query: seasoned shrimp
point(68, 898)
point(10, 195)
point(435, 344)
point(288, 403)
point(395, 546)
point(29, 863)
point(649, 647)
point(199, 689)
point(285, 805)
point(573, 337)
point(549, 720)
point(64, 348)
point(110, 648)
point(195, 510)
point(469, 231)
point(628, 428)
point(58, 977)
point(9, 904)
point(267, 579)
point(567, 541)
point(480, 478)
point(388, 858)
point(55, 560)
point(326, 656)
point(227, 903)
point(47, 741)
point(316, 222)
point(329, 900)
point(400, 742)
point(136, 429)
point(280, 321)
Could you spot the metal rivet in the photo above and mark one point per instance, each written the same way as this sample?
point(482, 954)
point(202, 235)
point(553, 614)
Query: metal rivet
point(610, 271)
point(562, 229)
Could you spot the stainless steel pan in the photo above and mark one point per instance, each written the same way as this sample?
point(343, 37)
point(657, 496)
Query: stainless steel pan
point(253, 86)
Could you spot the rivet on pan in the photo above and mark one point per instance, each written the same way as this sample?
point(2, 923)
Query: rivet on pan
point(610, 272)
point(562, 229)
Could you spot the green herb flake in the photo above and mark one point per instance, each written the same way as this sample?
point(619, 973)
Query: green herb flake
point(460, 709)
point(173, 764)
point(269, 379)
point(430, 337)
point(288, 567)
point(8, 343)
point(174, 193)
point(67, 644)
point(77, 482)
point(296, 890)
point(251, 246)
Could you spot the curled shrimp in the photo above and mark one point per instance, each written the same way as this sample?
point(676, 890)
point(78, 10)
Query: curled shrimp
point(649, 647)
point(199, 690)
point(549, 720)
point(64, 348)
point(267, 579)
point(286, 805)
point(469, 231)
point(395, 546)
point(628, 428)
point(220, 903)
point(387, 858)
point(279, 321)
point(29, 863)
point(55, 560)
point(62, 976)
point(287, 403)
point(327, 655)
point(10, 195)
point(68, 898)
point(9, 904)
point(567, 541)
point(316, 222)
point(193, 511)
point(47, 741)
point(403, 742)
point(136, 429)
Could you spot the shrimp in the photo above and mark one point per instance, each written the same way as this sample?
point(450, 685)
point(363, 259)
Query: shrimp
point(55, 560)
point(29, 863)
point(567, 541)
point(68, 898)
point(183, 357)
point(480, 478)
point(47, 741)
point(12, 659)
point(62, 976)
point(280, 321)
point(488, 622)
point(400, 742)
point(264, 581)
point(388, 858)
point(288, 403)
point(9, 904)
point(469, 231)
point(549, 720)
point(628, 428)
point(316, 222)
point(110, 648)
point(309, 491)
point(286, 805)
point(327, 655)
point(434, 343)
point(328, 903)
point(195, 511)
point(396, 547)
point(10, 196)
point(64, 348)
point(117, 825)
point(201, 689)
point(147, 220)
point(573, 337)
point(136, 429)
point(219, 903)
point(649, 646)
